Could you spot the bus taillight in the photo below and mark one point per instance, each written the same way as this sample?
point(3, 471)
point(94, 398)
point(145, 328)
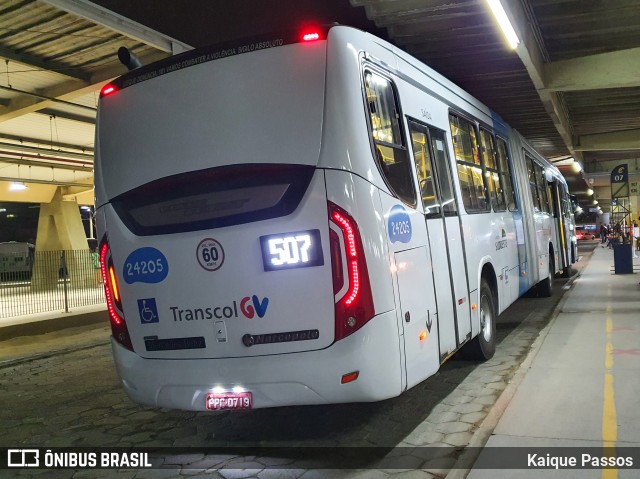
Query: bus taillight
point(355, 307)
point(114, 300)
point(311, 36)
point(108, 89)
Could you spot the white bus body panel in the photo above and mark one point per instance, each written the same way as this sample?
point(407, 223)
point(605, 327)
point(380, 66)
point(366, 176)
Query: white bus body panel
point(192, 301)
point(312, 377)
point(362, 201)
point(214, 114)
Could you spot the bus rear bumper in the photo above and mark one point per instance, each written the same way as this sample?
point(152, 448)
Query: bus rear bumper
point(312, 377)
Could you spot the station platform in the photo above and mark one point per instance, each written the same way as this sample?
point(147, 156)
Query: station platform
point(578, 388)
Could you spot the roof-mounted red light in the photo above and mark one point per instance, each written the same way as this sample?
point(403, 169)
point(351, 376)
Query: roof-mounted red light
point(311, 36)
point(108, 89)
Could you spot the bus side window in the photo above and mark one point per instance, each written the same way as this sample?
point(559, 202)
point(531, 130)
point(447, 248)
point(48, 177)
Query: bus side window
point(423, 164)
point(390, 151)
point(543, 189)
point(506, 183)
point(470, 171)
point(532, 183)
point(493, 176)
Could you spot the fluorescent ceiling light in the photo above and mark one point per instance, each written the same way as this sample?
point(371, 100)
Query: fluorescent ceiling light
point(505, 24)
point(17, 186)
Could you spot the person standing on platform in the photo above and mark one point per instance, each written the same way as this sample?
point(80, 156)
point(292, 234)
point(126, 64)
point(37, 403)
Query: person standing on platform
point(603, 234)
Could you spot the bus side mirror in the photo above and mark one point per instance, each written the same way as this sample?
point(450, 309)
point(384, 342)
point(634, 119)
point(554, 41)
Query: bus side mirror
point(128, 59)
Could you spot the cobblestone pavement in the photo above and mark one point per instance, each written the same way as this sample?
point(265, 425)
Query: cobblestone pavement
point(72, 398)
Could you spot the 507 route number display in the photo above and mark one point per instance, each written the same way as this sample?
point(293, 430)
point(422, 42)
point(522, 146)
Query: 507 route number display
point(299, 249)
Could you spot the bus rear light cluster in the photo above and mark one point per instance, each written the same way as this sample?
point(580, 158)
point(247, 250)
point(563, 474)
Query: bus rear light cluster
point(114, 300)
point(355, 307)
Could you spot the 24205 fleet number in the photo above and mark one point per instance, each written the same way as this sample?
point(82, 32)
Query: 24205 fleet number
point(144, 267)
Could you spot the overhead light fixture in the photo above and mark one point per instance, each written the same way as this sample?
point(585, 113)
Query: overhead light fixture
point(503, 20)
point(595, 202)
point(589, 192)
point(17, 186)
point(577, 167)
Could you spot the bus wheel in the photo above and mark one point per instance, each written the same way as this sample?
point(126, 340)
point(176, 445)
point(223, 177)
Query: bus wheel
point(483, 346)
point(545, 287)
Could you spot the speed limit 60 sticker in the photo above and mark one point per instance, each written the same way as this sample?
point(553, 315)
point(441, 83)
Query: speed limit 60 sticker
point(210, 254)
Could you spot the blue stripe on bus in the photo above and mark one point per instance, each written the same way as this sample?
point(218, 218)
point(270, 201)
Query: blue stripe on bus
point(499, 125)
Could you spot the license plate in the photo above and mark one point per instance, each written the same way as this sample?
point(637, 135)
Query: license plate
point(224, 401)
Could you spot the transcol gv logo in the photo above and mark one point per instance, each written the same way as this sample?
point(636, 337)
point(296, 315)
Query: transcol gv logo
point(249, 307)
point(256, 307)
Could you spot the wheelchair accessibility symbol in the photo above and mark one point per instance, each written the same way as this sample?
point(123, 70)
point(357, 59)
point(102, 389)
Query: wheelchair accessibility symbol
point(148, 310)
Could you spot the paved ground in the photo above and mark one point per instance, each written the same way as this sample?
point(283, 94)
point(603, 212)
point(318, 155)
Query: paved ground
point(60, 389)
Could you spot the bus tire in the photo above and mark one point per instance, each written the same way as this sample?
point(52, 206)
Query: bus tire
point(483, 346)
point(545, 287)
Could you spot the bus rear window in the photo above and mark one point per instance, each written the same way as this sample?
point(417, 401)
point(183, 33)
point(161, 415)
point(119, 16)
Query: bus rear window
point(213, 198)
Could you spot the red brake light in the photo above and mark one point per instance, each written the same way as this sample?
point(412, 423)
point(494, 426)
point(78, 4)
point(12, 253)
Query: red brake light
point(355, 307)
point(311, 36)
point(116, 316)
point(108, 89)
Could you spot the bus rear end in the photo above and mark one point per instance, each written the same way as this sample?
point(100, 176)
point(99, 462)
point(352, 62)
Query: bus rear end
point(232, 282)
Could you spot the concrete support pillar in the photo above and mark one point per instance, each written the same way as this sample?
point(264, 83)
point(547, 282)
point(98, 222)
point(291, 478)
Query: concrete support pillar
point(60, 229)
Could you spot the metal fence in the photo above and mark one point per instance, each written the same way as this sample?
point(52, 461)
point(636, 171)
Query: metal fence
point(44, 281)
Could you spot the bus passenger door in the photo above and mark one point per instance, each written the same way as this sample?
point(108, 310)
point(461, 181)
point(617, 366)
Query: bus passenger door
point(445, 239)
point(558, 215)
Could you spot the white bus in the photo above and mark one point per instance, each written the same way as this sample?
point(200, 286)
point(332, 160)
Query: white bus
point(16, 260)
point(308, 220)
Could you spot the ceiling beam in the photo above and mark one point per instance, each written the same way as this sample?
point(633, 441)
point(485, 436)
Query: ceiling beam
point(65, 149)
point(613, 140)
point(68, 116)
point(532, 57)
point(44, 97)
point(125, 26)
point(43, 164)
point(387, 13)
point(618, 69)
point(40, 64)
point(21, 150)
point(82, 184)
point(65, 91)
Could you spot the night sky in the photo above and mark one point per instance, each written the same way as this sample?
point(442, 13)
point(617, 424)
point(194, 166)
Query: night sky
point(18, 222)
point(206, 22)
